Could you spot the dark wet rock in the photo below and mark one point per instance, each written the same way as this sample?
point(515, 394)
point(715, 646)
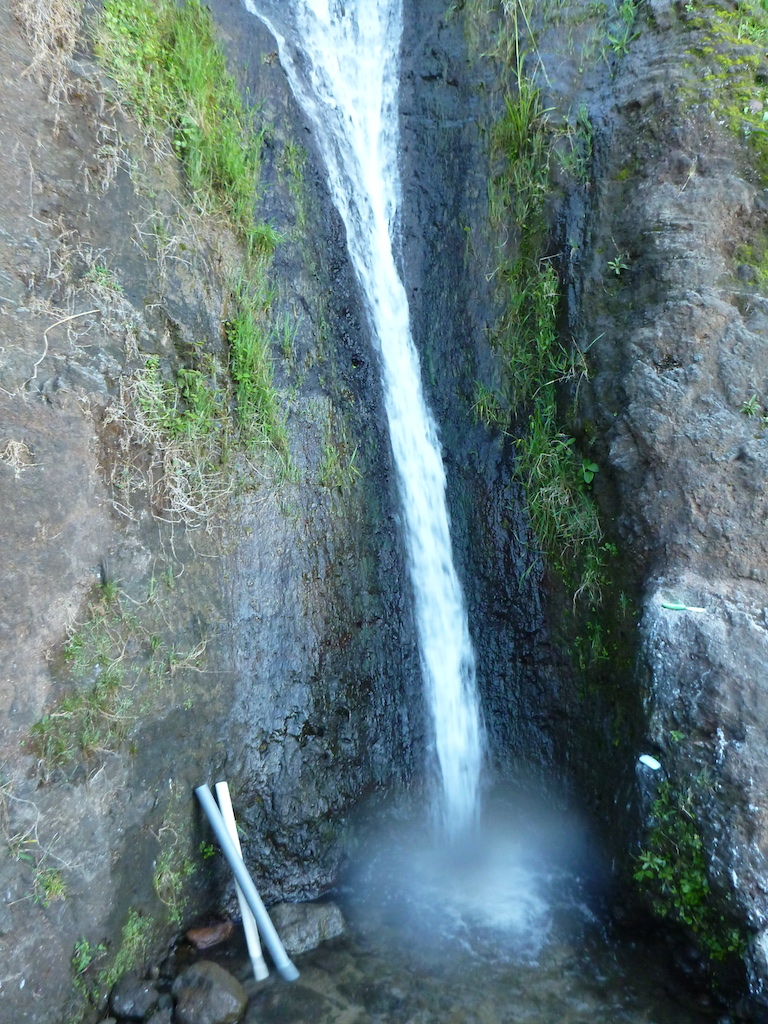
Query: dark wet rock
point(133, 998)
point(161, 1016)
point(303, 926)
point(208, 994)
point(292, 1004)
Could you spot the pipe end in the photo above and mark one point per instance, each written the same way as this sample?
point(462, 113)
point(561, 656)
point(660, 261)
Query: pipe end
point(289, 971)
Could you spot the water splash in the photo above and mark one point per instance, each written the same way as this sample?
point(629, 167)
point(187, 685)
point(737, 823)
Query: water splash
point(342, 61)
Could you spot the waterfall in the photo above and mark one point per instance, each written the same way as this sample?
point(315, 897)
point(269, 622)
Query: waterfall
point(342, 60)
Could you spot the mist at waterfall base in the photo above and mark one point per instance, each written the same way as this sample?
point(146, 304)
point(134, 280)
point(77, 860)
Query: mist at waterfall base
point(502, 928)
point(493, 893)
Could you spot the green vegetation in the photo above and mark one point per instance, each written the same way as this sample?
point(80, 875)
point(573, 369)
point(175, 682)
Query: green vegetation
point(617, 264)
point(96, 717)
point(488, 406)
point(729, 51)
point(563, 512)
point(291, 167)
point(753, 407)
point(142, 930)
point(101, 279)
point(251, 336)
point(755, 256)
point(198, 420)
point(673, 869)
point(187, 422)
point(135, 945)
point(135, 942)
point(172, 74)
point(171, 873)
point(572, 146)
point(108, 659)
point(339, 467)
point(84, 955)
point(49, 886)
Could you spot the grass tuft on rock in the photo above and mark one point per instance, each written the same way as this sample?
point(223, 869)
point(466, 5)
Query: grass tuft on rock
point(173, 77)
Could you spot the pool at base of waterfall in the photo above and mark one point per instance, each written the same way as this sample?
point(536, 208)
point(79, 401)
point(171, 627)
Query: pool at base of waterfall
point(495, 930)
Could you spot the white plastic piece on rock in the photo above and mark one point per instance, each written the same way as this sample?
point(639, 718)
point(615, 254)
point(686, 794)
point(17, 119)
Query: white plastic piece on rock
point(260, 969)
point(649, 762)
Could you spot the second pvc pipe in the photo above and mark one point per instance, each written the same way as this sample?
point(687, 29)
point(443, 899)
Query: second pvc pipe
point(271, 939)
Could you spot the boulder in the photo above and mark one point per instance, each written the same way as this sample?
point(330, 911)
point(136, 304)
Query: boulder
point(303, 926)
point(207, 994)
point(133, 998)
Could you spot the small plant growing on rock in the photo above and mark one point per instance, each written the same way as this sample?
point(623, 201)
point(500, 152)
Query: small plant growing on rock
point(752, 406)
point(487, 407)
point(588, 470)
point(672, 867)
point(50, 886)
point(617, 264)
point(84, 955)
point(171, 873)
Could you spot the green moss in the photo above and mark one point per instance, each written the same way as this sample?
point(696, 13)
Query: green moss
point(728, 55)
point(172, 871)
point(756, 257)
point(136, 940)
point(673, 870)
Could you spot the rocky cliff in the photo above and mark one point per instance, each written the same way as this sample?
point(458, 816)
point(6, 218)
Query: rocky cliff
point(163, 627)
point(655, 220)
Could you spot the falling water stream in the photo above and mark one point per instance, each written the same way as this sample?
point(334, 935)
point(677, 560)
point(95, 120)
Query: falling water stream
point(495, 926)
point(342, 60)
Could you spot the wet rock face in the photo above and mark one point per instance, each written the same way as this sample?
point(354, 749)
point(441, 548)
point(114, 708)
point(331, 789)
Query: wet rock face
point(679, 347)
point(275, 650)
point(448, 102)
point(304, 926)
point(327, 703)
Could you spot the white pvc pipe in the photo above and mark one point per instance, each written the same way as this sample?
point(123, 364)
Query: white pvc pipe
point(260, 969)
point(284, 965)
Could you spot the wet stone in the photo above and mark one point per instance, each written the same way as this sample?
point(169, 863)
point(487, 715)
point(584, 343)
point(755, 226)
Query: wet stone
point(163, 1016)
point(303, 926)
point(207, 994)
point(133, 998)
point(213, 935)
point(292, 1004)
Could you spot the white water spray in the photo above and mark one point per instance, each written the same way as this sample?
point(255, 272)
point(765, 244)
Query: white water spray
point(342, 61)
